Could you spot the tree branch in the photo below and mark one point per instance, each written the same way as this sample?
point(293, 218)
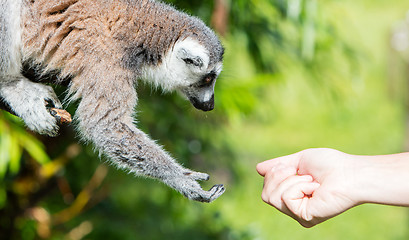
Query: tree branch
point(220, 16)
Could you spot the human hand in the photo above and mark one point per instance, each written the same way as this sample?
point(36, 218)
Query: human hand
point(310, 186)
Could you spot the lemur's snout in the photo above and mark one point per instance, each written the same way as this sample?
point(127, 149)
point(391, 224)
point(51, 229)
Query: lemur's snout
point(204, 106)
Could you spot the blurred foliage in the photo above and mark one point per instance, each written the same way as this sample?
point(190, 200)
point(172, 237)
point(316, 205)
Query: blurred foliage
point(297, 74)
point(13, 141)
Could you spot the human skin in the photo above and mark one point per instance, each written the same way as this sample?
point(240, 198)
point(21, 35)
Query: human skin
point(315, 185)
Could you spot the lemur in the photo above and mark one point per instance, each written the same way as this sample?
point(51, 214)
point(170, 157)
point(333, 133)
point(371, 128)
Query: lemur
point(104, 47)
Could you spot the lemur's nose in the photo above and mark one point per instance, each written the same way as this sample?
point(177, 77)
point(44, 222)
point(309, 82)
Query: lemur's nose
point(204, 106)
point(207, 106)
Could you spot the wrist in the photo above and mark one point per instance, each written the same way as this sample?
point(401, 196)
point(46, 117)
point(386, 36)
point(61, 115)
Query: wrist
point(382, 179)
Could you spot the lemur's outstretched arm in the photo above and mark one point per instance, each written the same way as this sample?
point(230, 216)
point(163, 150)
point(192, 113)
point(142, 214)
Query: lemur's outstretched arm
point(105, 117)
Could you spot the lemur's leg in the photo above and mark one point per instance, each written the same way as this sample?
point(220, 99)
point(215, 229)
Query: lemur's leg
point(30, 101)
point(105, 115)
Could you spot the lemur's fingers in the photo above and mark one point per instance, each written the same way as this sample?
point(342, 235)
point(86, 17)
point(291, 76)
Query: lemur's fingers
point(211, 195)
point(216, 191)
point(52, 102)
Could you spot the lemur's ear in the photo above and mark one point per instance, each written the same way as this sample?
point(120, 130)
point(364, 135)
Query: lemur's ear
point(189, 58)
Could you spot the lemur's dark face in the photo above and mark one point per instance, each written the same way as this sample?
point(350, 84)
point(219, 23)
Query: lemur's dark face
point(187, 69)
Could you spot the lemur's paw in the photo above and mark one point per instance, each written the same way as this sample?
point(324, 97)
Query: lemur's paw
point(33, 106)
point(39, 118)
point(211, 195)
point(187, 185)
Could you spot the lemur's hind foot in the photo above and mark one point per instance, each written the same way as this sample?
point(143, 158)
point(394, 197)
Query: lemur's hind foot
point(30, 101)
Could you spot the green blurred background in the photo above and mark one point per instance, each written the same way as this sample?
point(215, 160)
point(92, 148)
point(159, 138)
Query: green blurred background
point(297, 74)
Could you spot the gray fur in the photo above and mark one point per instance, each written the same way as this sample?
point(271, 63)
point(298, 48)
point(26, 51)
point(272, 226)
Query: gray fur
point(104, 46)
point(160, 26)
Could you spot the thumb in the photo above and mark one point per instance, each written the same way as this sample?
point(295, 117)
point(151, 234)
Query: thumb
point(289, 161)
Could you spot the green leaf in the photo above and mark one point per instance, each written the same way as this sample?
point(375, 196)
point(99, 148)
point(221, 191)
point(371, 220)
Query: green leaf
point(4, 153)
point(15, 152)
point(34, 148)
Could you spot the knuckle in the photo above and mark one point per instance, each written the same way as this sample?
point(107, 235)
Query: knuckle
point(285, 196)
point(271, 198)
point(265, 197)
point(275, 201)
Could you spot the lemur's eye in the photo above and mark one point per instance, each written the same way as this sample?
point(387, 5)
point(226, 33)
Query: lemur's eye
point(207, 80)
point(188, 60)
point(197, 61)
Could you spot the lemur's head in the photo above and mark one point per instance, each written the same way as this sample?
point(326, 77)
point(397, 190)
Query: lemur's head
point(190, 68)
